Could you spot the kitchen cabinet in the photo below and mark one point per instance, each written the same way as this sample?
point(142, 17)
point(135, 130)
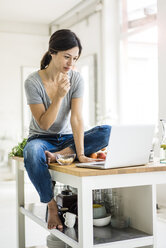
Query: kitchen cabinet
point(137, 185)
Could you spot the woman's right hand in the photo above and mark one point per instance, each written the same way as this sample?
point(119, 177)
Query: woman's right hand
point(63, 84)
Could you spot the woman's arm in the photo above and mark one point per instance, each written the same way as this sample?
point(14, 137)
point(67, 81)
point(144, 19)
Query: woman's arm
point(45, 118)
point(77, 125)
point(78, 129)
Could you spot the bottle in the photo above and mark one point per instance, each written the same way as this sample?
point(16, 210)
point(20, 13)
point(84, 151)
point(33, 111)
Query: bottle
point(163, 143)
point(155, 145)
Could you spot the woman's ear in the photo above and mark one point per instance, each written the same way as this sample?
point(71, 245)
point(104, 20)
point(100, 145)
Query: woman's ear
point(53, 54)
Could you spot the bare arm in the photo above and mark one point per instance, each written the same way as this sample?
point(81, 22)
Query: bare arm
point(78, 129)
point(77, 125)
point(45, 118)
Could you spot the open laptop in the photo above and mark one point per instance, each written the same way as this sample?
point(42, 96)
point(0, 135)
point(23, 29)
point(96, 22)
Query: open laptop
point(129, 145)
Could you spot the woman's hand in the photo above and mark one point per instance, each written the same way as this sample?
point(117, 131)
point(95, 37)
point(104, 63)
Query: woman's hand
point(84, 159)
point(63, 84)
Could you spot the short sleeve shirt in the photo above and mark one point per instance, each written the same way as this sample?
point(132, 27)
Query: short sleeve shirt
point(36, 94)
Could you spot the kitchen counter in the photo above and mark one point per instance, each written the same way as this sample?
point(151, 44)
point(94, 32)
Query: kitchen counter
point(81, 172)
point(137, 185)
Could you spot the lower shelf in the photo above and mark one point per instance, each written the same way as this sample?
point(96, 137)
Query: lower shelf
point(102, 235)
point(108, 234)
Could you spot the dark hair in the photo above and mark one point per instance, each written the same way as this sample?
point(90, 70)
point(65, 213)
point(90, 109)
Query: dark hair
point(61, 40)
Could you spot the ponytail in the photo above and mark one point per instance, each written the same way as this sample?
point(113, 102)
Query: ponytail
point(45, 60)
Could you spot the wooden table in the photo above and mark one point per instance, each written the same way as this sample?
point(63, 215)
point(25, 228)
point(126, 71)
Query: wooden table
point(137, 185)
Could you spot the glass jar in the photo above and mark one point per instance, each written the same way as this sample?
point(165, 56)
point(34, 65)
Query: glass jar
point(163, 143)
point(108, 201)
point(98, 197)
point(118, 208)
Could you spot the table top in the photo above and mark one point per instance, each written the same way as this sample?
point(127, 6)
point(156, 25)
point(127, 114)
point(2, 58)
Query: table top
point(82, 172)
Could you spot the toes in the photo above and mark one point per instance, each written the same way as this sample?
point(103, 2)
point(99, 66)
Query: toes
point(48, 156)
point(51, 226)
point(60, 227)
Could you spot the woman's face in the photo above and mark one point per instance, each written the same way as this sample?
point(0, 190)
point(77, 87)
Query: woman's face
point(65, 60)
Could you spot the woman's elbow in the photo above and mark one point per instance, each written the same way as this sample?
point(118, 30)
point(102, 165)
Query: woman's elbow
point(75, 120)
point(44, 126)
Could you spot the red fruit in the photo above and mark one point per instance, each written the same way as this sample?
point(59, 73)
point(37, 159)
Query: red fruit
point(93, 155)
point(101, 155)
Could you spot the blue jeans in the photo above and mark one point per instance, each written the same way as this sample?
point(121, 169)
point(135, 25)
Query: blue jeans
point(35, 159)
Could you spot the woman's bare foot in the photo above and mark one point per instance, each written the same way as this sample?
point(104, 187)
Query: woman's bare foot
point(51, 157)
point(53, 218)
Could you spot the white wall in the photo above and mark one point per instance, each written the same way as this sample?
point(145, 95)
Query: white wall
point(110, 59)
point(162, 79)
point(89, 32)
point(23, 28)
point(16, 50)
point(162, 57)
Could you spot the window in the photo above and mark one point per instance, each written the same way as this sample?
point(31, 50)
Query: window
point(138, 62)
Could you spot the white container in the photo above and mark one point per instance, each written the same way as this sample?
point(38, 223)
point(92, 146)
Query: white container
point(102, 221)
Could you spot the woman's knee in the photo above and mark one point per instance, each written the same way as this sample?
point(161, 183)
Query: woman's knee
point(100, 134)
point(33, 151)
point(106, 129)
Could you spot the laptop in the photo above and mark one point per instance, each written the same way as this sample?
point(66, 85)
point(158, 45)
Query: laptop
point(129, 145)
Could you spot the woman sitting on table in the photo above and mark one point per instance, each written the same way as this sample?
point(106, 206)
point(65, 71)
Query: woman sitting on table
point(54, 94)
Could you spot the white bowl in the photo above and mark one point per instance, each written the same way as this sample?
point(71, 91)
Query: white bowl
point(65, 159)
point(102, 221)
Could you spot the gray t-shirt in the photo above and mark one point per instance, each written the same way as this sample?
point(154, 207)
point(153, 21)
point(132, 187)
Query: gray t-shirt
point(36, 94)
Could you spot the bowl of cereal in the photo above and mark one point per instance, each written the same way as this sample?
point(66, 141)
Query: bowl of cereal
point(65, 159)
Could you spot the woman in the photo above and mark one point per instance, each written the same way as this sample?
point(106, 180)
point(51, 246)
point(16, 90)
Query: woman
point(53, 94)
